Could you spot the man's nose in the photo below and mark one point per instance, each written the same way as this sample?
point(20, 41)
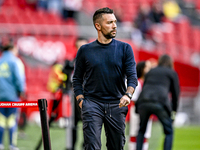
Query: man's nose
point(114, 25)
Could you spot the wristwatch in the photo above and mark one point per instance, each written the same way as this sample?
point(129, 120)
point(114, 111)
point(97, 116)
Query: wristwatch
point(129, 95)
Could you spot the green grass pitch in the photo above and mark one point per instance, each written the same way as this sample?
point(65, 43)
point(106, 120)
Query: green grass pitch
point(185, 138)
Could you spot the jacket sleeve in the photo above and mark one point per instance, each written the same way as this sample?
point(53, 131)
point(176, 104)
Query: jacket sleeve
point(19, 79)
point(175, 91)
point(79, 71)
point(130, 67)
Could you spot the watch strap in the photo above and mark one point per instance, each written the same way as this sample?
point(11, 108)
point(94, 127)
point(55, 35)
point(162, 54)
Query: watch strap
point(129, 95)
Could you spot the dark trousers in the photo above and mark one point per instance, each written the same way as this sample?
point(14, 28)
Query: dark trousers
point(145, 110)
point(94, 115)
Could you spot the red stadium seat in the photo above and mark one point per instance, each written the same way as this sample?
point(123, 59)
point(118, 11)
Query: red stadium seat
point(25, 19)
point(51, 18)
point(197, 4)
point(194, 39)
point(3, 18)
point(13, 19)
point(182, 29)
point(10, 2)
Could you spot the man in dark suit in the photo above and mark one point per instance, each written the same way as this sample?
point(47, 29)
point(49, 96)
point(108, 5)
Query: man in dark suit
point(154, 99)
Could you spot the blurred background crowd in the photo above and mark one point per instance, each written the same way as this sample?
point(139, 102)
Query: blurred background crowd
point(45, 32)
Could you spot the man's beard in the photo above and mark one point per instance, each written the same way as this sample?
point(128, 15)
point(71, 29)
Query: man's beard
point(109, 35)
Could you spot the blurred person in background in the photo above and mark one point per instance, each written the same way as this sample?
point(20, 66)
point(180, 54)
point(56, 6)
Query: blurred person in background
point(71, 8)
point(54, 86)
point(22, 120)
point(154, 62)
point(79, 42)
point(12, 86)
point(156, 13)
point(67, 87)
point(54, 6)
point(154, 99)
point(55, 79)
point(118, 14)
point(143, 24)
point(77, 111)
point(157, 17)
point(143, 21)
point(42, 4)
point(142, 68)
point(171, 10)
point(136, 36)
point(101, 68)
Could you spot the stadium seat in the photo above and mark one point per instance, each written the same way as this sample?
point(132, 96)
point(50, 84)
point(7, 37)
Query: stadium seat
point(10, 2)
point(195, 38)
point(197, 4)
point(51, 18)
point(25, 19)
point(3, 18)
point(182, 29)
point(13, 19)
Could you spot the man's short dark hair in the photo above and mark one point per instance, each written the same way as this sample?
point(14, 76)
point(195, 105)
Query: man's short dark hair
point(6, 43)
point(80, 39)
point(140, 68)
point(98, 14)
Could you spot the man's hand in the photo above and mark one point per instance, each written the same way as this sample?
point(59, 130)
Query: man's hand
point(124, 101)
point(23, 96)
point(173, 115)
point(80, 104)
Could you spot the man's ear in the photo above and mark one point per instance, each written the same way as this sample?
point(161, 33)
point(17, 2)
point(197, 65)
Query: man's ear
point(98, 26)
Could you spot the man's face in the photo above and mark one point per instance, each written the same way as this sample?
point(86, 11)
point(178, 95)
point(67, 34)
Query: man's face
point(80, 43)
point(147, 67)
point(108, 25)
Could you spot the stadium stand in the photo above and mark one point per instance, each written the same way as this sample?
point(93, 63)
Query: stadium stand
point(19, 20)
